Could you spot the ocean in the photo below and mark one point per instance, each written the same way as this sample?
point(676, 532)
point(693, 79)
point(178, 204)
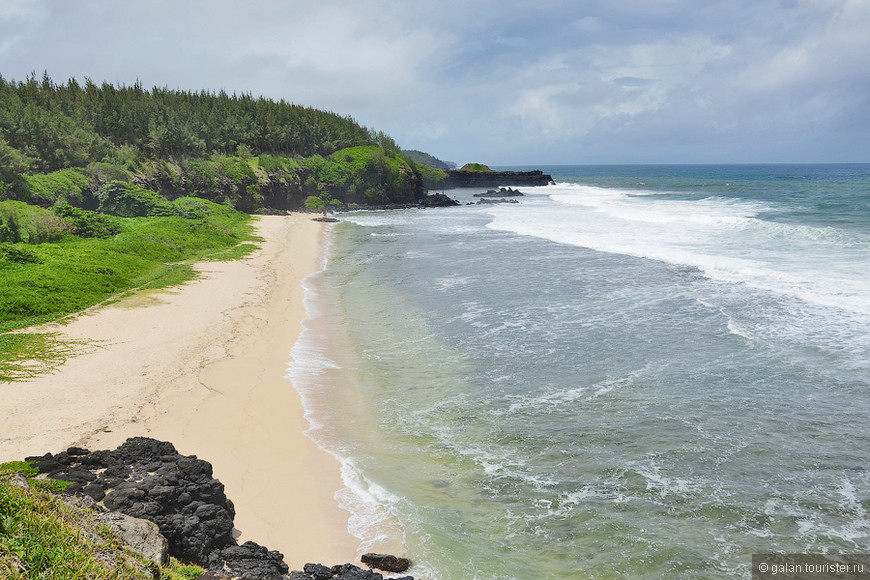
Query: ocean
point(639, 372)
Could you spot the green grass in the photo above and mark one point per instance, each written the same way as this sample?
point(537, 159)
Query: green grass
point(26, 355)
point(56, 279)
point(475, 167)
point(431, 176)
point(43, 537)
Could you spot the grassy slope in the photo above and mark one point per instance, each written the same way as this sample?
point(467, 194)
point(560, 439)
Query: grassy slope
point(42, 536)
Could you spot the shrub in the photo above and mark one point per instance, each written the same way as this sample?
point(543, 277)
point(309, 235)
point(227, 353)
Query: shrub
point(88, 224)
point(105, 172)
point(17, 255)
point(238, 170)
point(48, 188)
point(274, 163)
point(128, 200)
point(20, 222)
point(192, 207)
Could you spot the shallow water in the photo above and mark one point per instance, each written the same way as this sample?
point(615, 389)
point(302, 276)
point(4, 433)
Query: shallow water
point(641, 372)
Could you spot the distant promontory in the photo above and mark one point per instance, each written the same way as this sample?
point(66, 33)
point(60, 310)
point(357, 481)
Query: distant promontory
point(456, 178)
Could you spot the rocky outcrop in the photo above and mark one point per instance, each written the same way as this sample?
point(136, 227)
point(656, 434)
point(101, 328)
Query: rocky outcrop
point(456, 179)
point(438, 200)
point(501, 192)
point(149, 479)
point(145, 481)
point(341, 572)
point(496, 201)
point(140, 535)
point(386, 562)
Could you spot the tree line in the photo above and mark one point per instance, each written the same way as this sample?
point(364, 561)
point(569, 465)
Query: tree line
point(45, 126)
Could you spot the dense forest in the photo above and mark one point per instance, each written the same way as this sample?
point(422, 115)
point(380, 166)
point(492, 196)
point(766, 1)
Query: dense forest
point(66, 143)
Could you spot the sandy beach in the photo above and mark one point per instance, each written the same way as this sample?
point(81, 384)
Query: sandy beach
point(203, 366)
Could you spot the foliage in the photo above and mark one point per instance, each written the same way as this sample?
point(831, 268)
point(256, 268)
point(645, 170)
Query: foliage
point(475, 167)
point(23, 467)
point(363, 174)
point(57, 186)
point(50, 126)
point(127, 200)
point(13, 165)
point(56, 279)
point(431, 176)
point(276, 163)
point(321, 202)
point(192, 207)
point(26, 355)
point(179, 571)
point(88, 224)
point(100, 172)
point(20, 222)
point(41, 537)
point(44, 537)
point(238, 170)
point(427, 159)
point(14, 253)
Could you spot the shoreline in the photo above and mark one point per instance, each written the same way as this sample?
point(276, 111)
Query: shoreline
point(204, 366)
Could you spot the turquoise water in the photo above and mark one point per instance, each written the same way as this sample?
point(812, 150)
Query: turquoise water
point(641, 372)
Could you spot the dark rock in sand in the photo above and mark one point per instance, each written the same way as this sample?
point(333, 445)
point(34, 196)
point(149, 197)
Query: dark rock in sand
point(148, 479)
point(250, 560)
point(340, 572)
point(386, 562)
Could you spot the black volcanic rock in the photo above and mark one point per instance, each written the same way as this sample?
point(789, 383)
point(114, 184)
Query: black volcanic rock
point(456, 179)
point(386, 562)
point(501, 192)
point(341, 572)
point(438, 200)
point(148, 479)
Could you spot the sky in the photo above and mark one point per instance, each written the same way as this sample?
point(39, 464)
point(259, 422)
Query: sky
point(507, 82)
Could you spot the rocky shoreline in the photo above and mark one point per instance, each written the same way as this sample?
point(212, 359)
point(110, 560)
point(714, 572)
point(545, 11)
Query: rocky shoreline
point(458, 178)
point(147, 479)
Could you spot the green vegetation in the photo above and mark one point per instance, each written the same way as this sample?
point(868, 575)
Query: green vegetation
point(431, 176)
point(102, 147)
point(427, 159)
point(474, 167)
point(107, 189)
point(364, 175)
point(26, 355)
point(44, 537)
point(57, 186)
point(57, 126)
point(50, 272)
point(321, 202)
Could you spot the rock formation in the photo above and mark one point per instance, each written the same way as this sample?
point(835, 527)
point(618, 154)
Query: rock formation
point(149, 479)
point(145, 480)
point(456, 179)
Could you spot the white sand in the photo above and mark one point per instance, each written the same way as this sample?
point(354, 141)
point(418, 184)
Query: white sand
point(203, 366)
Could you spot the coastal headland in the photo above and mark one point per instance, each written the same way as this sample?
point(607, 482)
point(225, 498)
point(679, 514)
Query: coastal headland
point(458, 178)
point(203, 365)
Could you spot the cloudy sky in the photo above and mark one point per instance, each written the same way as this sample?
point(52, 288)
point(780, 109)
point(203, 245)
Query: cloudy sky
point(499, 82)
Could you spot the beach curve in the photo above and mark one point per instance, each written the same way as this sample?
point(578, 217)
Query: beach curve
point(204, 366)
